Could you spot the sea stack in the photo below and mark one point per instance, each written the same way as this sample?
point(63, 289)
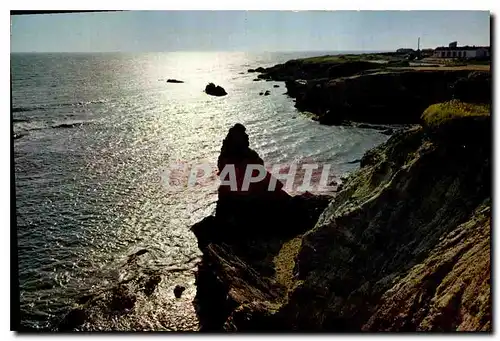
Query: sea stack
point(215, 90)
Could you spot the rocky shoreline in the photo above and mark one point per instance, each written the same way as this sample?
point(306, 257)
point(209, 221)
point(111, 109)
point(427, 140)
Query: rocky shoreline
point(339, 90)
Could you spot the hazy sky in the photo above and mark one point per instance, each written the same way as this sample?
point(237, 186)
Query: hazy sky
point(246, 31)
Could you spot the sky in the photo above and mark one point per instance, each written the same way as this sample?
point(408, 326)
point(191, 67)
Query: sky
point(152, 31)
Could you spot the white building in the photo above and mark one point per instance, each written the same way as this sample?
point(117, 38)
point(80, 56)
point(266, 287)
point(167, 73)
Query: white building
point(467, 52)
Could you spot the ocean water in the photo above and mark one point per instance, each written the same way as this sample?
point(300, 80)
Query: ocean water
point(96, 131)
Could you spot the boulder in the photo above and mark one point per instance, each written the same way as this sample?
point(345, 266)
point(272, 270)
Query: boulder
point(178, 290)
point(215, 90)
point(174, 81)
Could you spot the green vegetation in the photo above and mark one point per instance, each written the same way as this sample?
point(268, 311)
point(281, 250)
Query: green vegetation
point(350, 58)
point(437, 114)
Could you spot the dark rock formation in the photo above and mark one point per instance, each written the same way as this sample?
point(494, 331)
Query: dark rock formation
point(240, 242)
point(212, 89)
point(404, 246)
point(475, 88)
point(396, 97)
point(267, 93)
point(174, 81)
point(402, 233)
point(298, 69)
point(364, 91)
point(276, 86)
point(68, 125)
point(257, 79)
point(261, 93)
point(259, 69)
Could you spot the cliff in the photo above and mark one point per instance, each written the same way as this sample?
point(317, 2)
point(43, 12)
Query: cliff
point(340, 89)
point(403, 246)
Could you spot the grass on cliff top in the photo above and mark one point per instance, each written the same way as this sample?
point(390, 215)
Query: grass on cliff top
point(439, 113)
point(347, 58)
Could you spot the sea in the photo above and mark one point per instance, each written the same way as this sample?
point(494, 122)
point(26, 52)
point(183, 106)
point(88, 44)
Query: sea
point(93, 134)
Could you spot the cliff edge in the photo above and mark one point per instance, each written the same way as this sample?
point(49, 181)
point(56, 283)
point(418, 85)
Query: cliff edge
point(403, 246)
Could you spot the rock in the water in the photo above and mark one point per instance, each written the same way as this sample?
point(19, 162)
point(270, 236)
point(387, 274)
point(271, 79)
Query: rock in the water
point(174, 81)
point(267, 93)
point(215, 90)
point(276, 86)
point(248, 229)
point(403, 246)
point(178, 290)
point(261, 93)
point(257, 79)
point(72, 320)
point(122, 300)
point(151, 284)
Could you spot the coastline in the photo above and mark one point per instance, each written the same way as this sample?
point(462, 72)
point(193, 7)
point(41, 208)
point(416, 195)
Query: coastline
point(342, 263)
point(375, 88)
point(402, 246)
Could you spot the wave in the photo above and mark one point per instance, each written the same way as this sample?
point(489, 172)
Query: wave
point(55, 106)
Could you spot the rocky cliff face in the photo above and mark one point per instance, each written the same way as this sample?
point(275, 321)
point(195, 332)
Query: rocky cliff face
point(403, 246)
point(239, 244)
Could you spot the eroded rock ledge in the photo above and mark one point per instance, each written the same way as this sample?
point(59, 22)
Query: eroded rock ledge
point(403, 246)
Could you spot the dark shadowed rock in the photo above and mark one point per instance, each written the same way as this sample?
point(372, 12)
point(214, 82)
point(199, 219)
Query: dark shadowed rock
point(151, 284)
point(403, 246)
point(248, 228)
point(261, 93)
point(178, 290)
point(267, 93)
point(122, 300)
point(72, 320)
point(276, 86)
point(213, 90)
point(257, 79)
point(68, 125)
